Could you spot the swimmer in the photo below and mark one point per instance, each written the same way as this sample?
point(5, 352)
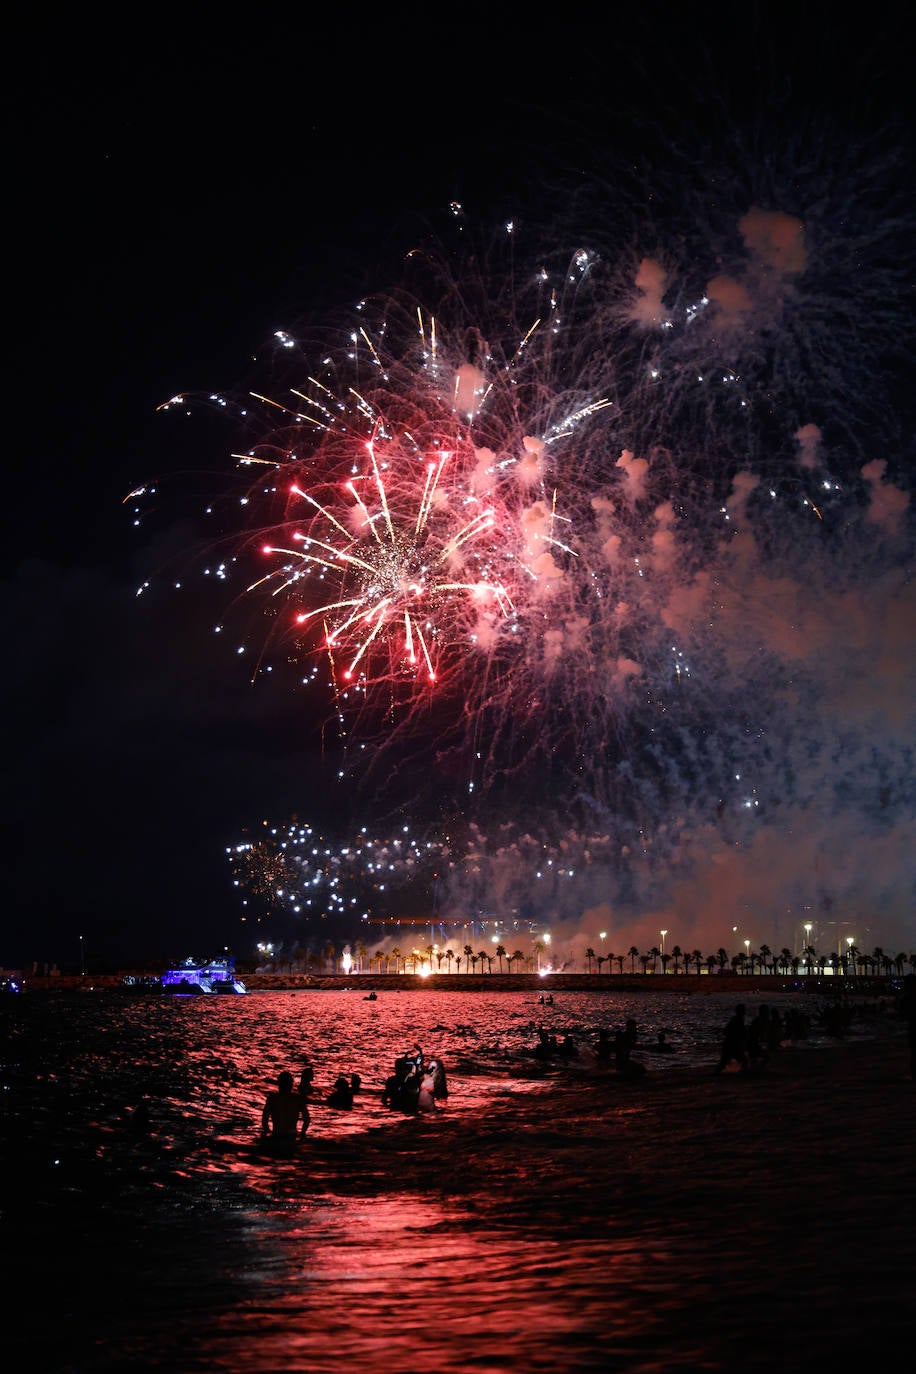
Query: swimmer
point(283, 1110)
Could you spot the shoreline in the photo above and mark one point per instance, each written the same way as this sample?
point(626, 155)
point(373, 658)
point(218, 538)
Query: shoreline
point(684, 984)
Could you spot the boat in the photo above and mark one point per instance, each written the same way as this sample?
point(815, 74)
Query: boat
point(196, 977)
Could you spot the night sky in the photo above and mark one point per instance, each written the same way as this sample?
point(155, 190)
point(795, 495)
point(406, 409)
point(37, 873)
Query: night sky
point(174, 196)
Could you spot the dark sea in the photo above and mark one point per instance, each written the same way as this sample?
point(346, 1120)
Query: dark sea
point(484, 1236)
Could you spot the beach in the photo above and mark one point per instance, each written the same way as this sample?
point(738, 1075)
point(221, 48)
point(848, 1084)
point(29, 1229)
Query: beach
point(688, 1221)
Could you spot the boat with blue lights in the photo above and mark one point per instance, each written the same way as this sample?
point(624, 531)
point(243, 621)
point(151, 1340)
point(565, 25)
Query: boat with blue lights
point(195, 977)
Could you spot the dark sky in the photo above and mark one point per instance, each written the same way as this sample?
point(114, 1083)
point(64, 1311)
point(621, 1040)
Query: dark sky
point(174, 196)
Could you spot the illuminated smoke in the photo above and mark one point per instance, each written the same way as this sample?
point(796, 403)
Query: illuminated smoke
point(613, 549)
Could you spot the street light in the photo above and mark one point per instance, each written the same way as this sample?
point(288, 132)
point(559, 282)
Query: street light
point(747, 948)
point(663, 933)
point(807, 929)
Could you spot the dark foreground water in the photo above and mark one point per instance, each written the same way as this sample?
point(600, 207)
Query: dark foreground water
point(504, 1232)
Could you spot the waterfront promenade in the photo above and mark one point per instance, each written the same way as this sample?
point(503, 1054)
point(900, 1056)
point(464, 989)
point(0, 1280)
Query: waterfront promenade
point(684, 984)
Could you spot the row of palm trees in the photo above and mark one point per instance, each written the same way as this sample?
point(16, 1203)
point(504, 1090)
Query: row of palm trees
point(430, 959)
point(468, 960)
point(761, 961)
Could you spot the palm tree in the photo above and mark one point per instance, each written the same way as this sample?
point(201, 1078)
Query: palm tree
point(785, 959)
point(467, 957)
point(634, 955)
point(396, 956)
point(518, 956)
point(361, 954)
point(644, 960)
point(474, 958)
point(484, 956)
point(722, 957)
point(697, 959)
point(618, 960)
point(677, 954)
point(765, 953)
point(665, 959)
point(501, 954)
point(429, 951)
point(378, 956)
point(601, 960)
point(711, 961)
point(589, 956)
point(449, 956)
point(538, 949)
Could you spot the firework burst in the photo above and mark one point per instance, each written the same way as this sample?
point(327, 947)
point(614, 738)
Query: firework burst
point(297, 872)
point(581, 533)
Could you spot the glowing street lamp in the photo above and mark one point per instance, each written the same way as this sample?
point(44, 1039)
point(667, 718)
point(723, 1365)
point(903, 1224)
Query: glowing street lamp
point(663, 933)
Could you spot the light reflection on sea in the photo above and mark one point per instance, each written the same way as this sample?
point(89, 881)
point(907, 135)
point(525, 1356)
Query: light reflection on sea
point(391, 1242)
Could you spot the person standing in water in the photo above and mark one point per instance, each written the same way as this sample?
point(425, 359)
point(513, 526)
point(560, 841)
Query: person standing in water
point(282, 1113)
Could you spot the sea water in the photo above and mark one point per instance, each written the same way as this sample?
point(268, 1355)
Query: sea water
point(389, 1243)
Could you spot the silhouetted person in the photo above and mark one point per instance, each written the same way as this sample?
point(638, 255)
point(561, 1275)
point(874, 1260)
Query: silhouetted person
point(306, 1079)
point(546, 1045)
point(777, 1030)
point(283, 1110)
point(734, 1043)
point(425, 1099)
point(908, 1011)
point(758, 1038)
point(402, 1090)
point(604, 1049)
point(341, 1096)
point(624, 1044)
point(440, 1084)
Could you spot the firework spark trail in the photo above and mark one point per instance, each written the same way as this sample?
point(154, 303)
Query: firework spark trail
point(298, 870)
point(587, 532)
point(437, 526)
